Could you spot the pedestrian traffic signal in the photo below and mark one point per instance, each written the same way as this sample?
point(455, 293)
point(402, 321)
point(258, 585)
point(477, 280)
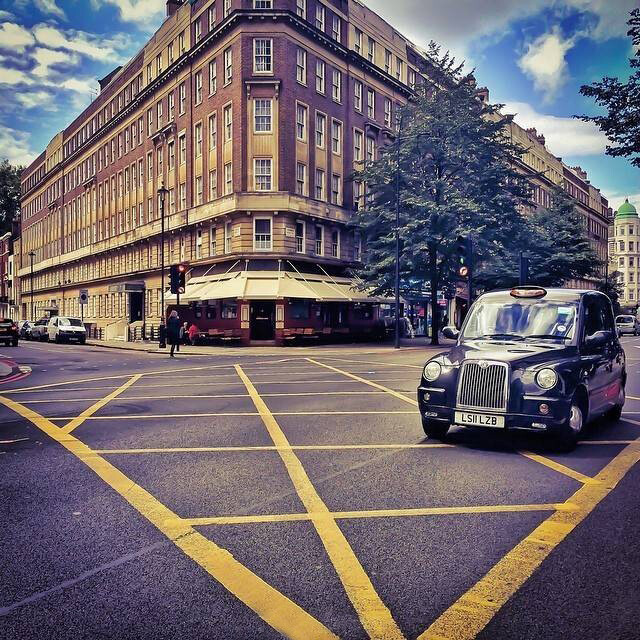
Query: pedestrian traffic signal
point(464, 255)
point(177, 277)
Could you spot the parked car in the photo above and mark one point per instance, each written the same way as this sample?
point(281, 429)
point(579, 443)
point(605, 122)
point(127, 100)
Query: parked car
point(24, 326)
point(66, 329)
point(627, 324)
point(8, 332)
point(531, 359)
point(39, 329)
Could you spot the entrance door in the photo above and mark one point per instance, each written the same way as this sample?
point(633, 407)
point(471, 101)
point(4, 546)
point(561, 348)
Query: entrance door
point(136, 306)
point(263, 313)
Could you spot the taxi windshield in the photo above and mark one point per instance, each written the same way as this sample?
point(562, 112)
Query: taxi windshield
point(521, 320)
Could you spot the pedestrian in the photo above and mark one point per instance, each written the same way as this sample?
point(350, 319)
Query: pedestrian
point(184, 335)
point(193, 333)
point(173, 331)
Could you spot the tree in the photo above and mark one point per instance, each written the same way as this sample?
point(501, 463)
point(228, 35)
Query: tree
point(449, 170)
point(621, 124)
point(9, 195)
point(556, 243)
point(612, 286)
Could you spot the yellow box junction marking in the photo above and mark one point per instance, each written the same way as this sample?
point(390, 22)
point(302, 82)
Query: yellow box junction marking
point(374, 615)
point(392, 392)
point(556, 466)
point(272, 606)
point(467, 617)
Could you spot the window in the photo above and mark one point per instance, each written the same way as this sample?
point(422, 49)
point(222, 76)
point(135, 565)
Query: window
point(301, 8)
point(183, 196)
point(198, 80)
point(357, 195)
point(171, 103)
point(227, 237)
point(387, 61)
point(226, 8)
point(198, 190)
point(149, 124)
point(199, 243)
point(172, 200)
point(149, 79)
point(213, 184)
point(182, 144)
point(398, 68)
point(320, 70)
point(228, 178)
point(336, 189)
point(212, 16)
point(262, 174)
point(336, 137)
point(300, 248)
point(319, 240)
point(183, 97)
point(357, 43)
point(387, 113)
point(321, 124)
point(412, 79)
point(229, 310)
point(262, 4)
point(336, 86)
point(181, 43)
point(262, 115)
point(213, 77)
point(357, 145)
point(213, 131)
point(301, 179)
point(320, 185)
point(301, 122)
point(371, 149)
point(160, 157)
point(198, 30)
point(158, 66)
point(357, 246)
point(197, 134)
point(262, 55)
point(335, 243)
point(371, 104)
point(228, 122)
point(336, 27)
point(171, 147)
point(371, 49)
point(357, 95)
point(301, 66)
point(212, 241)
point(320, 12)
point(228, 65)
point(262, 234)
point(150, 166)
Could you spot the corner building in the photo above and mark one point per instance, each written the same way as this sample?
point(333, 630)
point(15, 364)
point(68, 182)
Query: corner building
point(253, 114)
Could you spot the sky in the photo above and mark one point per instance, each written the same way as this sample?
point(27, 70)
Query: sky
point(533, 55)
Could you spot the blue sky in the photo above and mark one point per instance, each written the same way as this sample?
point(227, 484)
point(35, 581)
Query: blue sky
point(533, 55)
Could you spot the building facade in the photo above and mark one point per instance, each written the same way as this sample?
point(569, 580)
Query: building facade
point(6, 269)
point(624, 254)
point(252, 115)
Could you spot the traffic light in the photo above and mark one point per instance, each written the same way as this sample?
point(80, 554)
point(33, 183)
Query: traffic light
point(177, 277)
point(464, 256)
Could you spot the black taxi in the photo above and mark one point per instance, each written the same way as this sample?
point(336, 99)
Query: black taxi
point(529, 358)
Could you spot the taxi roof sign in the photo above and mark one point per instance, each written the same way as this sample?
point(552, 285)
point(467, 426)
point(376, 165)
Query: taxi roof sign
point(528, 292)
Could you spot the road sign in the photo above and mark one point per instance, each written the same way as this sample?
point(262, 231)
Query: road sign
point(83, 297)
point(464, 272)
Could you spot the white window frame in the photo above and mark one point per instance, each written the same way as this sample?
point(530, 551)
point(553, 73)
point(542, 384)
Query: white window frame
point(301, 9)
point(212, 122)
point(228, 178)
point(336, 86)
point(213, 184)
point(321, 239)
point(320, 17)
point(371, 103)
point(228, 237)
point(263, 245)
point(227, 57)
point(302, 124)
point(388, 113)
point(357, 42)
point(197, 139)
point(302, 249)
point(301, 66)
point(227, 115)
point(358, 145)
point(335, 246)
point(263, 60)
point(336, 28)
point(266, 118)
point(213, 77)
point(322, 183)
point(321, 130)
point(336, 140)
point(303, 190)
point(263, 4)
point(226, 8)
point(198, 85)
point(338, 201)
point(263, 162)
point(321, 70)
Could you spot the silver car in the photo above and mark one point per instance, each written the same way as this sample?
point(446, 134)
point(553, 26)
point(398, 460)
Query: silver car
point(627, 324)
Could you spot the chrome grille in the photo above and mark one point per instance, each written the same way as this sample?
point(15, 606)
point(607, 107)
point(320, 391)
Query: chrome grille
point(483, 386)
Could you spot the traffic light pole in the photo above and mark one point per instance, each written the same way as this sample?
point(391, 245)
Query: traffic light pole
point(471, 266)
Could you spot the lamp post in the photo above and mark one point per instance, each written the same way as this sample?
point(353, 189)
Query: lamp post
point(31, 257)
point(162, 194)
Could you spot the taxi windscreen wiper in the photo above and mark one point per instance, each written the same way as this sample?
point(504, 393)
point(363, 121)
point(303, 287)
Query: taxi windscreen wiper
point(547, 335)
point(510, 336)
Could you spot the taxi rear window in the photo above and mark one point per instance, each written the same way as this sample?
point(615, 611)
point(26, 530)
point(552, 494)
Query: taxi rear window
point(625, 319)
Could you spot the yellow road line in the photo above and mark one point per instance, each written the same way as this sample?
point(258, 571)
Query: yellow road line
point(556, 466)
point(87, 413)
point(374, 615)
point(272, 606)
point(632, 398)
point(607, 442)
point(467, 617)
point(378, 513)
point(384, 364)
point(302, 447)
point(392, 392)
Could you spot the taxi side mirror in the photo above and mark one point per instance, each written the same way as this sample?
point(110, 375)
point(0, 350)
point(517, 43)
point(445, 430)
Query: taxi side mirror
point(451, 332)
point(597, 340)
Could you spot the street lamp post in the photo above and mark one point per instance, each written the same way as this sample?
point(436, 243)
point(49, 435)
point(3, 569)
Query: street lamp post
point(162, 194)
point(31, 257)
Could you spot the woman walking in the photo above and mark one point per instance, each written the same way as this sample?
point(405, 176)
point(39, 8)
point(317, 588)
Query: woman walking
point(173, 331)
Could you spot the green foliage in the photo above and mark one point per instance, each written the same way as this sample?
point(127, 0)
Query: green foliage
point(450, 171)
point(9, 195)
point(621, 124)
point(612, 286)
point(556, 242)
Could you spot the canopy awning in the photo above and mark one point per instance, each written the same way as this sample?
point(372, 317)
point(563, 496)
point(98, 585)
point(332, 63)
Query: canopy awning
point(272, 285)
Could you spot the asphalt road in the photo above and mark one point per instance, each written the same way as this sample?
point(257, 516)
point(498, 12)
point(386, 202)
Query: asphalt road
point(261, 497)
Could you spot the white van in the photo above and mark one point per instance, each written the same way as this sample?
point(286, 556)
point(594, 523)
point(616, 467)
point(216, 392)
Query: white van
point(65, 329)
point(627, 324)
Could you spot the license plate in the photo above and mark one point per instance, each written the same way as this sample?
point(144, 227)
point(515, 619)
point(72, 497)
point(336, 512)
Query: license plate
point(479, 420)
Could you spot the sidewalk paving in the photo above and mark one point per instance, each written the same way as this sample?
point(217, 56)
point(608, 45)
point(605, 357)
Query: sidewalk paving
point(406, 344)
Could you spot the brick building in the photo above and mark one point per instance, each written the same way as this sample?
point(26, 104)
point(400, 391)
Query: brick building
point(252, 114)
point(6, 265)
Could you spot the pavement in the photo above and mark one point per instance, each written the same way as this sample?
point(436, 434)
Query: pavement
point(250, 496)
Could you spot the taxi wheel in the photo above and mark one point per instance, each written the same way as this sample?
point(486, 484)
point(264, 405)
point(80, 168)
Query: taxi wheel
point(433, 429)
point(616, 412)
point(567, 437)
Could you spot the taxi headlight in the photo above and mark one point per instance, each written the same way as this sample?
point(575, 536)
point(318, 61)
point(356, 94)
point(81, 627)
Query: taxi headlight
point(432, 371)
point(546, 378)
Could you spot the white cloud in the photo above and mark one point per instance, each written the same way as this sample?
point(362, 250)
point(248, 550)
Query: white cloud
point(6, 15)
point(46, 58)
point(37, 100)
point(15, 38)
point(72, 40)
point(564, 136)
point(50, 7)
point(85, 86)
point(544, 62)
point(141, 12)
point(16, 146)
point(14, 76)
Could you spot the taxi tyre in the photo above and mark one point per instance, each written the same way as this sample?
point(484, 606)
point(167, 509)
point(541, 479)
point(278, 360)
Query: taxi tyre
point(437, 430)
point(567, 436)
point(616, 412)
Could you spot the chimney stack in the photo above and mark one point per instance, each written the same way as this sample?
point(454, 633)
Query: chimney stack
point(172, 7)
point(483, 94)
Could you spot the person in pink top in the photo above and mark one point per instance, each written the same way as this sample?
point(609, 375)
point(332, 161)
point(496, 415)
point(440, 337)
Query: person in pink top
point(193, 333)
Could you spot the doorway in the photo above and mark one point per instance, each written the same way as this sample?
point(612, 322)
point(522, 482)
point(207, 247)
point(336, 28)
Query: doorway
point(136, 306)
point(262, 314)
